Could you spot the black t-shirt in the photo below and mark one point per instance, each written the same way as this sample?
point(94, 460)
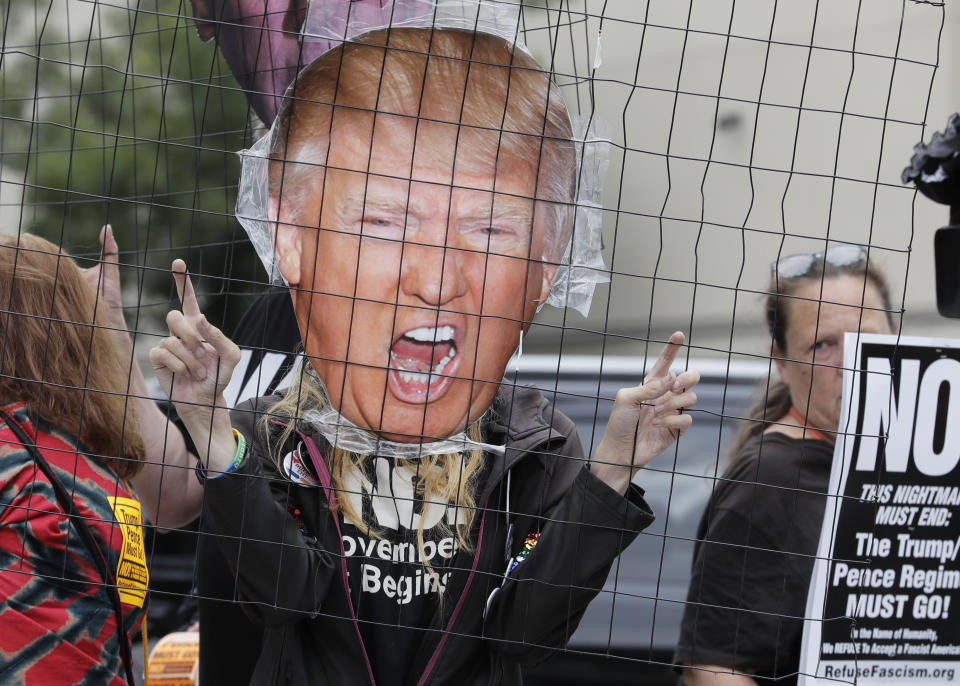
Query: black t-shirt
point(754, 558)
point(392, 589)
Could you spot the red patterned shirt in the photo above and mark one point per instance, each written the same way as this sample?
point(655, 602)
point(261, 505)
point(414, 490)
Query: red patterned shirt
point(57, 621)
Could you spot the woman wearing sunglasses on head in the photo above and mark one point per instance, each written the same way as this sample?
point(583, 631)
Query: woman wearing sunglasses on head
point(758, 535)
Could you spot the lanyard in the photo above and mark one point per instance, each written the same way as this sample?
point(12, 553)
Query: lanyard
point(809, 431)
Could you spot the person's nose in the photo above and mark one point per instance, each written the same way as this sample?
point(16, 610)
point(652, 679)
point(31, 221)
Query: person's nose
point(838, 368)
point(432, 270)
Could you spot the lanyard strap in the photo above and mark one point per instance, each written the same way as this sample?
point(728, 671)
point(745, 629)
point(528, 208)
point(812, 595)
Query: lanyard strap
point(809, 431)
point(68, 505)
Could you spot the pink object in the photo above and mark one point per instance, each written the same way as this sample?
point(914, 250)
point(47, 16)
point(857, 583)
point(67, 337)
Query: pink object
point(261, 39)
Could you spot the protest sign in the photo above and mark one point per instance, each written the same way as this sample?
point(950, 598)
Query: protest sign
point(883, 606)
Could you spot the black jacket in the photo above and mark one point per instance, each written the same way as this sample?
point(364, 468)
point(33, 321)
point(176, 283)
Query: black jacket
point(291, 572)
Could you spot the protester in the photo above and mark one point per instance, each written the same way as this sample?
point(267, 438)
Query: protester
point(758, 536)
point(73, 575)
point(262, 43)
point(229, 639)
point(398, 513)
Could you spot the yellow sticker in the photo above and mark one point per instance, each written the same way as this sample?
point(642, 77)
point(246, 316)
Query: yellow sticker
point(175, 660)
point(132, 575)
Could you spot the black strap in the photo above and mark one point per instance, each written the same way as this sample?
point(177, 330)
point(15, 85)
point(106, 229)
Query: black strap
point(68, 505)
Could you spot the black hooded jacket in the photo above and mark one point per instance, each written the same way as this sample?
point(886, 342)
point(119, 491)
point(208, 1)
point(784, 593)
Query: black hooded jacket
point(291, 573)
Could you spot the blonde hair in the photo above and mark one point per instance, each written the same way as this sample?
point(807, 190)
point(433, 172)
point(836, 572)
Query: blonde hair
point(498, 96)
point(57, 357)
point(442, 479)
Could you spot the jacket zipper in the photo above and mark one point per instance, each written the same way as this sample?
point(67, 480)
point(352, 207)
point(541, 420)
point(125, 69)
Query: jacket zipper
point(456, 610)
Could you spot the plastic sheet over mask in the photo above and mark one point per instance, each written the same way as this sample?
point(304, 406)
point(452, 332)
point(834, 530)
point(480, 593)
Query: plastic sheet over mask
point(581, 265)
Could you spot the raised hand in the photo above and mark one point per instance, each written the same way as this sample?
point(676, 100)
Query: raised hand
point(646, 419)
point(194, 364)
point(169, 497)
point(104, 278)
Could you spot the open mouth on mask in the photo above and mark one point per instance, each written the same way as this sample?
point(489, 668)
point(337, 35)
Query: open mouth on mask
point(422, 362)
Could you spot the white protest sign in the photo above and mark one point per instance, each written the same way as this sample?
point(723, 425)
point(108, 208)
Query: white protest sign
point(884, 601)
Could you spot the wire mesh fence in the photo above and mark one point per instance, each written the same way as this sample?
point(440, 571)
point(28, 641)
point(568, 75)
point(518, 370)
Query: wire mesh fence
point(403, 508)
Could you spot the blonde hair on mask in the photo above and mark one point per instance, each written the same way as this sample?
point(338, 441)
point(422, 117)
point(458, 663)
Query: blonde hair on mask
point(442, 479)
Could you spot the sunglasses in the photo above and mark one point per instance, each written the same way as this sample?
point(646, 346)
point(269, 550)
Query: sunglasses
point(792, 266)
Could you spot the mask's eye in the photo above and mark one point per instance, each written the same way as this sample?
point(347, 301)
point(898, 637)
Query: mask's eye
point(383, 227)
point(494, 231)
point(500, 235)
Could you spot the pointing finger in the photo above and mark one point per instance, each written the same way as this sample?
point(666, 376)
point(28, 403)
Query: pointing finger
point(192, 364)
point(687, 379)
point(227, 349)
point(677, 402)
point(188, 296)
point(185, 329)
point(161, 358)
point(108, 244)
point(677, 422)
point(667, 355)
point(648, 391)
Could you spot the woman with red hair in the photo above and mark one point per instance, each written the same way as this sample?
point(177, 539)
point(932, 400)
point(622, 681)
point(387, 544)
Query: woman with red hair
point(73, 574)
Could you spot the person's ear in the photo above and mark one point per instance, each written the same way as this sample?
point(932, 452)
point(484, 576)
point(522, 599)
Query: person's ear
point(203, 17)
point(549, 273)
point(286, 241)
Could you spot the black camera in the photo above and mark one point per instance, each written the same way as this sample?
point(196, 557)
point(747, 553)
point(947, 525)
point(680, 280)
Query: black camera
point(935, 169)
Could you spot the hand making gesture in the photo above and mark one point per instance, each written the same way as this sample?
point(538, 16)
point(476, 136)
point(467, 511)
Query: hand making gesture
point(104, 278)
point(646, 419)
point(194, 364)
point(170, 497)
